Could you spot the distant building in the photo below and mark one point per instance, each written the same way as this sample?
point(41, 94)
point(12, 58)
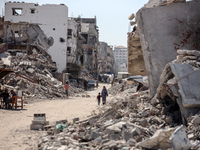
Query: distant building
point(121, 58)
point(49, 21)
point(89, 40)
point(106, 62)
point(74, 48)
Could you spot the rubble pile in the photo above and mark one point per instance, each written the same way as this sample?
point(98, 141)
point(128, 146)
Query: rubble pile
point(193, 128)
point(124, 123)
point(33, 76)
point(122, 87)
point(179, 84)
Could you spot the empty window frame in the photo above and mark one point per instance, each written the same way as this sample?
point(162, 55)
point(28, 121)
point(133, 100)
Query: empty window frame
point(32, 10)
point(17, 11)
point(16, 33)
point(69, 49)
point(70, 32)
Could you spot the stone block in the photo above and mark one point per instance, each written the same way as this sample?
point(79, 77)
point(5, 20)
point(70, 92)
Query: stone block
point(136, 131)
point(143, 122)
point(91, 121)
point(114, 137)
point(179, 139)
point(36, 127)
point(127, 135)
point(75, 120)
point(94, 135)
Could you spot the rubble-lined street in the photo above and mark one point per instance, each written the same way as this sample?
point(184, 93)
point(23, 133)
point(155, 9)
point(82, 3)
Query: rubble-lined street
point(51, 64)
point(15, 124)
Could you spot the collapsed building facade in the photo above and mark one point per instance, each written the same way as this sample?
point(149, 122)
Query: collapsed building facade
point(23, 23)
point(170, 45)
point(87, 45)
point(47, 47)
point(72, 43)
point(74, 48)
point(171, 27)
point(106, 62)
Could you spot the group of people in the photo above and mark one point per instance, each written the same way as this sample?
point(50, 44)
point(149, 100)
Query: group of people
point(6, 97)
point(103, 95)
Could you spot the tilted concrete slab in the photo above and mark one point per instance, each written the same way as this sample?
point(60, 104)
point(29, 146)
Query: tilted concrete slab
point(187, 78)
point(164, 30)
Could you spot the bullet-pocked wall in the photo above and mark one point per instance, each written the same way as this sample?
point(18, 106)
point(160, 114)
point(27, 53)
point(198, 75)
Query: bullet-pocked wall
point(164, 30)
point(52, 19)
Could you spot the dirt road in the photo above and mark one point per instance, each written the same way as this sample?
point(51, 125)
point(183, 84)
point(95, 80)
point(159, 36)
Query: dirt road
point(15, 133)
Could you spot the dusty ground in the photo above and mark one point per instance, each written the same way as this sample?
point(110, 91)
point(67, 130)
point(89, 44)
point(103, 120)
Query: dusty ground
point(15, 133)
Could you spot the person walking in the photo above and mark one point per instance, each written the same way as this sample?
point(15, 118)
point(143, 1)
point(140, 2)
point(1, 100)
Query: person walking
point(67, 89)
point(85, 84)
point(99, 98)
point(104, 94)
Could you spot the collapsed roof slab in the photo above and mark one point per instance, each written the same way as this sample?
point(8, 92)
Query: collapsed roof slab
point(164, 30)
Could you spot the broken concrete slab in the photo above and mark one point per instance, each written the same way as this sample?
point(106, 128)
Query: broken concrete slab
point(160, 140)
point(165, 33)
point(179, 139)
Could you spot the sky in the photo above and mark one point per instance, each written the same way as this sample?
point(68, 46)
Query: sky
point(112, 15)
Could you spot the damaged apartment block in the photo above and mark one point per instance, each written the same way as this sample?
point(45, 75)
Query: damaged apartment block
point(29, 25)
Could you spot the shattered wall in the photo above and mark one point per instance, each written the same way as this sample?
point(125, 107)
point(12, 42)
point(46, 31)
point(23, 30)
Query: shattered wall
point(165, 29)
point(136, 64)
point(24, 37)
point(102, 56)
point(90, 32)
point(52, 19)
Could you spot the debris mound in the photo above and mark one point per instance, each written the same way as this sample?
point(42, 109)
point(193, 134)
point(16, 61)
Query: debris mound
point(128, 122)
point(32, 74)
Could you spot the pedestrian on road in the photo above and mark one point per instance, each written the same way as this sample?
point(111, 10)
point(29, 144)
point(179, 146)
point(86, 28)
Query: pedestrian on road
point(97, 85)
point(85, 84)
point(104, 94)
point(5, 96)
point(67, 89)
point(99, 98)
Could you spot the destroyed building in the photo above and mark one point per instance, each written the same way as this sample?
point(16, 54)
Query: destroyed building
point(171, 27)
point(106, 62)
point(170, 45)
point(88, 40)
point(136, 63)
point(74, 48)
point(24, 19)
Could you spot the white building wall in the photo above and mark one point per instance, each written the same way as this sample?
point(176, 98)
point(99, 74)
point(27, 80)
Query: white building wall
point(85, 27)
point(52, 19)
point(121, 59)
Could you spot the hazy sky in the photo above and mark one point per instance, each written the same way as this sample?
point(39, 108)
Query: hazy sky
point(112, 15)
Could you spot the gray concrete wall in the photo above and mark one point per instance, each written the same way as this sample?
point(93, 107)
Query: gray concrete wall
point(163, 30)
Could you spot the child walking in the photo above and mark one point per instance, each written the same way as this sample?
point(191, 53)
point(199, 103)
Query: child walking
point(99, 98)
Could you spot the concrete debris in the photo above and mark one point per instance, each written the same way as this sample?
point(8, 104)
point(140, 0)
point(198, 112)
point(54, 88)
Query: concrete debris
point(122, 88)
point(179, 84)
point(160, 140)
point(119, 125)
point(131, 17)
point(39, 121)
point(180, 140)
point(33, 76)
point(160, 43)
